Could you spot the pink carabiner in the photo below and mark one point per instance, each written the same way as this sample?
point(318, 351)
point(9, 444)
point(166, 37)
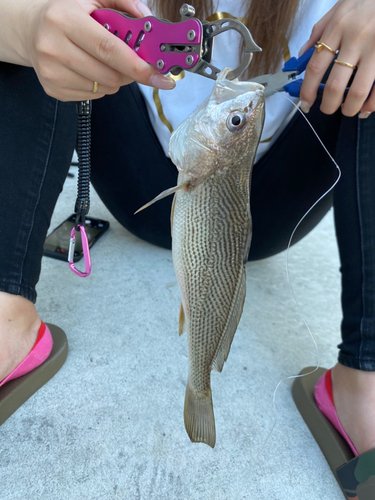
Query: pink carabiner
point(85, 249)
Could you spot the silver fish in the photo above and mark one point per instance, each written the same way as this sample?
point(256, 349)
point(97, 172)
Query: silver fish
point(214, 151)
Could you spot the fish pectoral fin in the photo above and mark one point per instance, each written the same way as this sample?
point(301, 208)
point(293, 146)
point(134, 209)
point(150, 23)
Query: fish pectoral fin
point(172, 212)
point(234, 317)
point(199, 417)
point(163, 194)
point(181, 320)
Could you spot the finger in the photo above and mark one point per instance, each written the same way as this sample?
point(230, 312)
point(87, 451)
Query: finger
point(92, 69)
point(338, 80)
point(317, 31)
point(73, 96)
point(134, 7)
point(72, 86)
point(316, 34)
point(68, 94)
point(360, 90)
point(90, 86)
point(113, 52)
point(315, 70)
point(58, 55)
point(369, 106)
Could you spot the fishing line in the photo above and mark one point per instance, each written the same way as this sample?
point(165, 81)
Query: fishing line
point(292, 377)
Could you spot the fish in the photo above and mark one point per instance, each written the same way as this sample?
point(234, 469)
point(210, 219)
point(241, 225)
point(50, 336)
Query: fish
point(214, 150)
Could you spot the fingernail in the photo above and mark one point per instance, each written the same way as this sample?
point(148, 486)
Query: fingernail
point(364, 115)
point(143, 9)
point(162, 82)
point(304, 107)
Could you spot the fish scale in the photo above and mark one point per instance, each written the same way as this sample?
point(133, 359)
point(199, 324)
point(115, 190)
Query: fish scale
point(214, 251)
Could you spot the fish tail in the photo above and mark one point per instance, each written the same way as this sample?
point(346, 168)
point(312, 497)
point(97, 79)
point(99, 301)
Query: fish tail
point(199, 417)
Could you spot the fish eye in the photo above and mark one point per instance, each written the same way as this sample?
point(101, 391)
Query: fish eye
point(235, 121)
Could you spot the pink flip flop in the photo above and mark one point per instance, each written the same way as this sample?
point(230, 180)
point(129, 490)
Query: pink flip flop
point(312, 394)
point(43, 361)
point(323, 394)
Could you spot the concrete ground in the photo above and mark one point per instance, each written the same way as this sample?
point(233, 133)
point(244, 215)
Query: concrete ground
point(110, 425)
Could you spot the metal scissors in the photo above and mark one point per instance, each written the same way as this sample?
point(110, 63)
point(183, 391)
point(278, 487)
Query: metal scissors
point(287, 79)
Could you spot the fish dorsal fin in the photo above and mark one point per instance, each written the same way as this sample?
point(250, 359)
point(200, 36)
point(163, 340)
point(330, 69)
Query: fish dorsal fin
point(234, 316)
point(181, 320)
point(163, 194)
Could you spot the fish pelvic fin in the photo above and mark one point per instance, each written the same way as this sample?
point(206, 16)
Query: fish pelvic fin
point(181, 320)
point(199, 417)
point(234, 317)
point(164, 194)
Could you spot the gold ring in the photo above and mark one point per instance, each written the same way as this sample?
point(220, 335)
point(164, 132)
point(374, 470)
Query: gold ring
point(343, 63)
point(95, 88)
point(319, 46)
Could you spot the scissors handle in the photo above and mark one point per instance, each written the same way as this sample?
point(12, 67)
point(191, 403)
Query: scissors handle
point(299, 64)
point(293, 88)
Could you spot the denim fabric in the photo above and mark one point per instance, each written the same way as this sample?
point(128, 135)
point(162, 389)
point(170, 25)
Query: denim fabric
point(37, 137)
point(355, 228)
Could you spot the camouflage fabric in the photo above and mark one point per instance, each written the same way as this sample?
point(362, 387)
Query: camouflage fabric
point(357, 477)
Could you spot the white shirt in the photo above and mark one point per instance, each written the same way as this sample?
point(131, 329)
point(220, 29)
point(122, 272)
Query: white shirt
point(189, 92)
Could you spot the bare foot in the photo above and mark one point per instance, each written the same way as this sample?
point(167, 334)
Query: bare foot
point(354, 397)
point(19, 325)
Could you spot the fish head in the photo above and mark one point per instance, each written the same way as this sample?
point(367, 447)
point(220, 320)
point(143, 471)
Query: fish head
point(224, 129)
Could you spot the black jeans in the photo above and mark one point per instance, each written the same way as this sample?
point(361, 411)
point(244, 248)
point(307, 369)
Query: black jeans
point(37, 138)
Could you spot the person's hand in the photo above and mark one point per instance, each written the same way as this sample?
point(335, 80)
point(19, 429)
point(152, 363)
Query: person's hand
point(70, 51)
point(350, 28)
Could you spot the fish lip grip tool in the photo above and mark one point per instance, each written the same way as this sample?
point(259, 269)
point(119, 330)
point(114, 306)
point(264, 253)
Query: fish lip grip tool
point(174, 47)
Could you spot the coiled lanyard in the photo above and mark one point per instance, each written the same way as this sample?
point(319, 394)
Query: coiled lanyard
point(82, 205)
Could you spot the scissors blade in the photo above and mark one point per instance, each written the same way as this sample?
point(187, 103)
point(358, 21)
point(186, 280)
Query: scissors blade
point(274, 82)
